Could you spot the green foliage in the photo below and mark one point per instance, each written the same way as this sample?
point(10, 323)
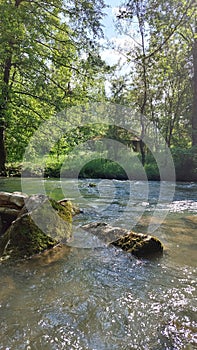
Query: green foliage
point(163, 65)
point(103, 168)
point(185, 161)
point(42, 70)
point(50, 60)
point(151, 167)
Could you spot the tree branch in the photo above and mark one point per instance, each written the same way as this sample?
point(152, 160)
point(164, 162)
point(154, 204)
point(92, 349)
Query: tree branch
point(169, 35)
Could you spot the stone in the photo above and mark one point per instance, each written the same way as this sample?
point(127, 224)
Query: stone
point(139, 244)
point(40, 224)
point(52, 218)
point(18, 198)
point(105, 232)
point(33, 224)
point(91, 184)
point(13, 200)
point(75, 209)
point(5, 211)
point(5, 197)
point(24, 239)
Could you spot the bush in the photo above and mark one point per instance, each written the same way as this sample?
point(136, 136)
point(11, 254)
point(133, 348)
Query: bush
point(185, 161)
point(103, 168)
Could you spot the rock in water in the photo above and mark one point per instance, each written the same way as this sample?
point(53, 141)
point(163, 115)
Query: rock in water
point(10, 207)
point(40, 224)
point(33, 224)
point(51, 217)
point(139, 244)
point(105, 232)
point(14, 200)
point(24, 239)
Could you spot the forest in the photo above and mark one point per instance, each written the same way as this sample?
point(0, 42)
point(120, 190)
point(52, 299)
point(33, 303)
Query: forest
point(51, 61)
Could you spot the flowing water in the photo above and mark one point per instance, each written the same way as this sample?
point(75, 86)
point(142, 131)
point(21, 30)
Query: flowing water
point(95, 297)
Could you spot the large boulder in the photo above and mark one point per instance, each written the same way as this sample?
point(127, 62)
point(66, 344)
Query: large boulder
point(139, 244)
point(24, 239)
point(10, 207)
point(37, 223)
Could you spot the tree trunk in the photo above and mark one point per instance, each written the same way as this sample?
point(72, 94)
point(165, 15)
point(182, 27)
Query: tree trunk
point(194, 107)
point(3, 110)
point(4, 98)
point(2, 152)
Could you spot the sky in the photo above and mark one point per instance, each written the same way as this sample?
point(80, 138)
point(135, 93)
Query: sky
point(110, 55)
point(109, 28)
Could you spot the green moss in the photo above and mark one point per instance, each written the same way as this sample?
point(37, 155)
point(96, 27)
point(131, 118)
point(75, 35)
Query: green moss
point(64, 211)
point(139, 245)
point(37, 231)
point(24, 239)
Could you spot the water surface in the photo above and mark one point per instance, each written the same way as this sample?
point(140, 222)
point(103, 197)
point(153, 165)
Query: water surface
point(89, 296)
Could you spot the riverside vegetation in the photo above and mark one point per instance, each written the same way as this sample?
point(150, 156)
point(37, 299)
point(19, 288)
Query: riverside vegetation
point(185, 162)
point(54, 61)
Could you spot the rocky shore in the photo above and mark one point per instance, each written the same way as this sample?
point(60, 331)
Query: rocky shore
point(33, 224)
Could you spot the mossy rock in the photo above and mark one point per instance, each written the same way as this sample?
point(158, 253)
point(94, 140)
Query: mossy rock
point(73, 208)
point(139, 244)
point(41, 225)
point(51, 217)
point(24, 239)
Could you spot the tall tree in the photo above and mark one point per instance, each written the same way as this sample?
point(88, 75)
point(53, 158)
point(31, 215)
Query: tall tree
point(194, 109)
point(137, 9)
point(41, 43)
point(166, 64)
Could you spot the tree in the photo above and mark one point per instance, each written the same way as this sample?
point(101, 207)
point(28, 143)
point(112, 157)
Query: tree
point(164, 63)
point(41, 45)
point(137, 9)
point(175, 22)
point(194, 109)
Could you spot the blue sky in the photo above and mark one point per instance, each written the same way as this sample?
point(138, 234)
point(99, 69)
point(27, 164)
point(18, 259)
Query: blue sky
point(109, 29)
point(113, 38)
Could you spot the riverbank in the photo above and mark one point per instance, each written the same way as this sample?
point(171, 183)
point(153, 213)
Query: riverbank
point(99, 169)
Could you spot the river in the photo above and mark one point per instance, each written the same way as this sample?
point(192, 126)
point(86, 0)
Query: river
point(90, 296)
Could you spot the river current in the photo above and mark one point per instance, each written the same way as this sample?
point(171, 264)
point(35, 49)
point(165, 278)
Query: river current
point(90, 296)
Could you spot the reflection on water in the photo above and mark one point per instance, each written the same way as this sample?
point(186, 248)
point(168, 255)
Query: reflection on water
point(99, 298)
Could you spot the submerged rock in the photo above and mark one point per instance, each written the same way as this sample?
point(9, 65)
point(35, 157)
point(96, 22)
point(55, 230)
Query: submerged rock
point(38, 224)
point(10, 208)
point(191, 220)
point(74, 208)
point(139, 244)
point(91, 184)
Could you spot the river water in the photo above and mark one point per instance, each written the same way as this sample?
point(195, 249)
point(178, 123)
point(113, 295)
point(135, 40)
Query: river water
point(90, 296)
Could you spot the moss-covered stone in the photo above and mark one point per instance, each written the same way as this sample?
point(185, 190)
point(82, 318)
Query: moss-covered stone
point(40, 225)
point(64, 209)
point(70, 206)
point(139, 244)
point(24, 239)
point(51, 217)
